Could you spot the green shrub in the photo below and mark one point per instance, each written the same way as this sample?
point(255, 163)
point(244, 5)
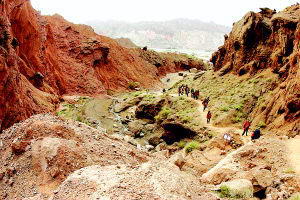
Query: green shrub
point(237, 119)
point(189, 147)
point(186, 119)
point(136, 94)
point(79, 119)
point(149, 97)
point(289, 171)
point(163, 114)
point(238, 107)
point(182, 144)
point(133, 85)
point(225, 109)
point(226, 192)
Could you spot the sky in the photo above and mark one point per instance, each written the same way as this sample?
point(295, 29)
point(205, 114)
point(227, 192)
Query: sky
point(223, 12)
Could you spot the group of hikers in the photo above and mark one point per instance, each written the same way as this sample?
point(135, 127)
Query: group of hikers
point(255, 135)
point(186, 90)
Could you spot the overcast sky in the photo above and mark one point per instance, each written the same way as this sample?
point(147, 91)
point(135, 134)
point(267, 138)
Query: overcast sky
point(223, 12)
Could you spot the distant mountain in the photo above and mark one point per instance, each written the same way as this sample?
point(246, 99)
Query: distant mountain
point(174, 34)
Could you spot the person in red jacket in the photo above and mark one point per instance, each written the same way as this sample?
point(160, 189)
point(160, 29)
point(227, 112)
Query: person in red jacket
point(208, 116)
point(246, 127)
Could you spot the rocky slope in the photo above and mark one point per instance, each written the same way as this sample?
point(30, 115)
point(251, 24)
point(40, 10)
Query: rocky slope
point(42, 58)
point(267, 40)
point(38, 154)
point(174, 34)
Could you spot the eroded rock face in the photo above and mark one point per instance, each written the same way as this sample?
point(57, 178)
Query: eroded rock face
point(45, 57)
point(39, 153)
point(267, 40)
point(149, 110)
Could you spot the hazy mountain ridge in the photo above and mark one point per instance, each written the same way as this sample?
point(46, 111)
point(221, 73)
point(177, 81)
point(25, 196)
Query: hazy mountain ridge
point(177, 34)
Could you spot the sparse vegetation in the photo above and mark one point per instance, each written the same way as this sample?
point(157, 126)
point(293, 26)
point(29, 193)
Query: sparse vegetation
point(289, 171)
point(189, 147)
point(225, 109)
point(163, 114)
point(232, 99)
point(182, 144)
point(149, 97)
point(226, 192)
point(179, 109)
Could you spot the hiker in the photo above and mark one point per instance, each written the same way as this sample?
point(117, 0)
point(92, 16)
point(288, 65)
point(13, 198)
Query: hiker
point(187, 91)
point(208, 116)
point(246, 127)
point(255, 135)
point(193, 93)
point(179, 90)
point(197, 93)
point(164, 90)
point(207, 100)
point(205, 104)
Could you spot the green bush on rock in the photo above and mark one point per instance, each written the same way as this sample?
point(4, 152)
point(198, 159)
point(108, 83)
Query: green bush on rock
point(189, 147)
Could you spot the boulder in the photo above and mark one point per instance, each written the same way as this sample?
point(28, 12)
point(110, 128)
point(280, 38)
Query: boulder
point(136, 127)
point(19, 146)
point(262, 178)
point(148, 110)
point(179, 161)
point(193, 70)
point(238, 188)
point(155, 141)
point(124, 105)
point(149, 147)
point(198, 75)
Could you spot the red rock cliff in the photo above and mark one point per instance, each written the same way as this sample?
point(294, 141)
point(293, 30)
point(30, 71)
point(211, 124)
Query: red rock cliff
point(268, 40)
point(42, 58)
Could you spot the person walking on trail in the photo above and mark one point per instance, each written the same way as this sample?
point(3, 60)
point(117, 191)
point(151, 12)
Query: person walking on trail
point(187, 91)
point(197, 93)
point(193, 93)
point(255, 135)
point(207, 100)
point(208, 116)
point(205, 104)
point(246, 127)
point(179, 90)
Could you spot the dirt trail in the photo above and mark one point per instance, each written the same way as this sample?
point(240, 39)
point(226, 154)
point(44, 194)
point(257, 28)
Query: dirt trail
point(294, 153)
point(172, 79)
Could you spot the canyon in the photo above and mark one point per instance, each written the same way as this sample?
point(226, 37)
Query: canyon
point(84, 116)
